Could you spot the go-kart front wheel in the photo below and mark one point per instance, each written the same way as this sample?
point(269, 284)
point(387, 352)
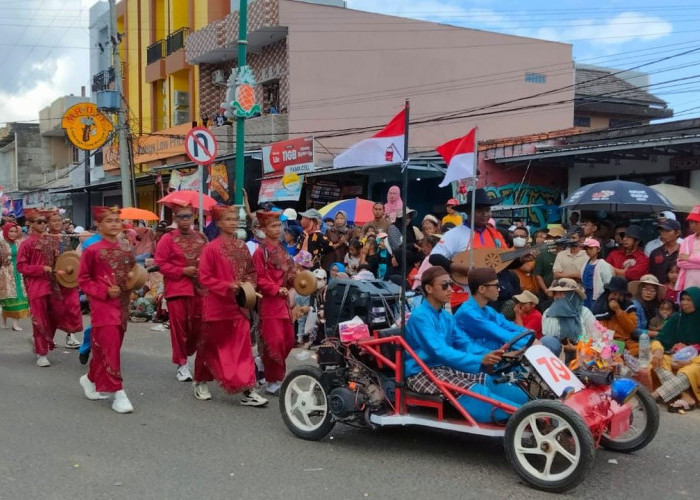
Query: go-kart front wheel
point(549, 445)
point(304, 404)
point(644, 424)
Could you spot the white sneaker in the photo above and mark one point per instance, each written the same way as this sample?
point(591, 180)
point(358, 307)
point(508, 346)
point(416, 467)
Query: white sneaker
point(273, 388)
point(72, 342)
point(183, 373)
point(121, 403)
point(252, 398)
point(90, 391)
point(201, 391)
point(42, 361)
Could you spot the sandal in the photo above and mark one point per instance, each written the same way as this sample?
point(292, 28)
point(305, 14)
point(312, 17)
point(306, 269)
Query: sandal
point(680, 406)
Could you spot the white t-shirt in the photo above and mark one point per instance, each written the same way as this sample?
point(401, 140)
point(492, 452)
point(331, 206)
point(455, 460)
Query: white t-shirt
point(454, 241)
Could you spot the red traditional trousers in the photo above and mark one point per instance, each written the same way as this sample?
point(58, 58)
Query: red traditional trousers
point(44, 323)
point(277, 335)
point(225, 354)
point(105, 365)
point(70, 317)
point(185, 324)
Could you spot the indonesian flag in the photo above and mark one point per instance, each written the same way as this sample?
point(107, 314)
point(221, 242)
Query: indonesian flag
point(460, 156)
point(383, 148)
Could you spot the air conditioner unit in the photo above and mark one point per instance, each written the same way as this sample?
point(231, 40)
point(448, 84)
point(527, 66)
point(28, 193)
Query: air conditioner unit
point(180, 117)
point(218, 77)
point(181, 99)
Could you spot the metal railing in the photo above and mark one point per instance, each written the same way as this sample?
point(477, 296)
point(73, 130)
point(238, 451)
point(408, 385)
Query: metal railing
point(155, 52)
point(101, 80)
point(176, 40)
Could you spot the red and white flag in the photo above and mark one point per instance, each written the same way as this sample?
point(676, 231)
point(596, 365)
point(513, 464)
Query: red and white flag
point(383, 148)
point(460, 156)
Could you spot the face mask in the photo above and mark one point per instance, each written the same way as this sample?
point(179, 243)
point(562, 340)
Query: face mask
point(519, 242)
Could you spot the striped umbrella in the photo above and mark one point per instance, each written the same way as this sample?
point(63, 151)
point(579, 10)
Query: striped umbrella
point(358, 210)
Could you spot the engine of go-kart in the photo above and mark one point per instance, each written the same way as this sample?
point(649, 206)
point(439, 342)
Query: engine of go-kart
point(531, 382)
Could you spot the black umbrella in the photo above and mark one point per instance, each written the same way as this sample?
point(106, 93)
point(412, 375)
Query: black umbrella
point(618, 196)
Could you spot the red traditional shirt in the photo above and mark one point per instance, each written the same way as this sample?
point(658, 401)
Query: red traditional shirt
point(224, 261)
point(175, 252)
point(102, 265)
point(34, 253)
point(274, 268)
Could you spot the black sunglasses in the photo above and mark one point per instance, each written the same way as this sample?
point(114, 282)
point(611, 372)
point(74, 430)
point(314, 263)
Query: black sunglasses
point(40, 221)
point(445, 285)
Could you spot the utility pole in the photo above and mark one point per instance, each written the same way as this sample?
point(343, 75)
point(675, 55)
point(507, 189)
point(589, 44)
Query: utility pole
point(240, 120)
point(124, 163)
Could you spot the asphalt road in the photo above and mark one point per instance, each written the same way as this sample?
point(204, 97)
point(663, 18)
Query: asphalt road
point(56, 444)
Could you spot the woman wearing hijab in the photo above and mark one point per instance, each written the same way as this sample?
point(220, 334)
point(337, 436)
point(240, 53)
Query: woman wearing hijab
point(13, 295)
point(394, 204)
point(339, 236)
point(616, 312)
point(681, 330)
point(567, 318)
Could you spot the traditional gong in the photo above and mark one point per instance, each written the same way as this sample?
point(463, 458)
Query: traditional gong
point(246, 296)
point(305, 283)
point(67, 265)
point(136, 278)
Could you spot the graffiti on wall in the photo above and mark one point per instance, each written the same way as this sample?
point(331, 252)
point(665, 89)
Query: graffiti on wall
point(526, 194)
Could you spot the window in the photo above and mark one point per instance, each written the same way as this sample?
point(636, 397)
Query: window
point(75, 155)
point(582, 121)
point(535, 78)
point(618, 123)
point(271, 97)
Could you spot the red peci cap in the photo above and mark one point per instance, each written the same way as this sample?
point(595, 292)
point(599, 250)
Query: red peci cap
point(264, 218)
point(218, 211)
point(99, 213)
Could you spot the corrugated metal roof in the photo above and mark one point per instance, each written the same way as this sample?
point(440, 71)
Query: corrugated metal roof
point(607, 86)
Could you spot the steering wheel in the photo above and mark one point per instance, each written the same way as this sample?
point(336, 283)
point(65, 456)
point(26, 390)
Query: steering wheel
point(509, 362)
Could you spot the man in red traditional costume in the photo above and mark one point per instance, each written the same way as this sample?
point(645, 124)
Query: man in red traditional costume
point(104, 270)
point(274, 268)
point(36, 258)
point(224, 351)
point(177, 255)
point(70, 318)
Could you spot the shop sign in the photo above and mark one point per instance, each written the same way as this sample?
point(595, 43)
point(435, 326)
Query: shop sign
point(285, 188)
point(86, 127)
point(687, 163)
point(292, 156)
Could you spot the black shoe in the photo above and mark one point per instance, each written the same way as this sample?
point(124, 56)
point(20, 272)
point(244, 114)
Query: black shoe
point(83, 357)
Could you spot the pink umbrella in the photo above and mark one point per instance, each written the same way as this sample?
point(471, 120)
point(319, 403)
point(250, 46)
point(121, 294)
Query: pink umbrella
point(190, 198)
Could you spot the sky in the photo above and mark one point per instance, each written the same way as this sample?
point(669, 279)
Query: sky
point(44, 44)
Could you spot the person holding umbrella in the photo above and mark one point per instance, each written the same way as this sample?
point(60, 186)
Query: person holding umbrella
point(630, 261)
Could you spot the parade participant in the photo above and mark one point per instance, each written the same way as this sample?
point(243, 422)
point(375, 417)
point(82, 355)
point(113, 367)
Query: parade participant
point(486, 327)
point(177, 255)
point(380, 223)
point(13, 295)
point(689, 254)
point(35, 261)
point(664, 256)
point(275, 271)
point(570, 262)
point(681, 330)
point(451, 355)
point(630, 261)
point(104, 271)
point(312, 239)
point(394, 205)
point(69, 314)
point(453, 216)
point(224, 351)
point(616, 312)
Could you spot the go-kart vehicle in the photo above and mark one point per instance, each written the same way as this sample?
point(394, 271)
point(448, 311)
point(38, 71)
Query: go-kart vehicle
point(550, 440)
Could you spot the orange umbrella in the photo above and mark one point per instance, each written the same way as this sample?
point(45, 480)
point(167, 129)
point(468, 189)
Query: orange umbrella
point(137, 214)
point(187, 197)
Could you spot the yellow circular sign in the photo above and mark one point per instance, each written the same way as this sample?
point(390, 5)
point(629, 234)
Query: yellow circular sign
point(291, 182)
point(86, 127)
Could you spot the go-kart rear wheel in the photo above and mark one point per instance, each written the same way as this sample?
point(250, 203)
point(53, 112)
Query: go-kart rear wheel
point(549, 445)
point(643, 426)
point(304, 404)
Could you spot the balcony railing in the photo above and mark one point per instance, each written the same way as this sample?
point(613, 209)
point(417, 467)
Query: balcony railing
point(176, 40)
point(155, 52)
point(102, 80)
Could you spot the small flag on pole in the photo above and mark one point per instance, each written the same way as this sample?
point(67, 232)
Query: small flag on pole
point(460, 156)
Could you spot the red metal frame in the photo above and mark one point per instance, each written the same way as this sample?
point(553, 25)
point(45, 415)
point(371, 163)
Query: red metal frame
point(447, 390)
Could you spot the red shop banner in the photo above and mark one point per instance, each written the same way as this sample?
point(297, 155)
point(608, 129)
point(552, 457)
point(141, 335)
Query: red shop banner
point(292, 156)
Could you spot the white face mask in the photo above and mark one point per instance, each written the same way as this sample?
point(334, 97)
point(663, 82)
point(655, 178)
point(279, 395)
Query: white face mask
point(519, 242)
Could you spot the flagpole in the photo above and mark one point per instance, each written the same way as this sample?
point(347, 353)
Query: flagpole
point(404, 189)
point(473, 208)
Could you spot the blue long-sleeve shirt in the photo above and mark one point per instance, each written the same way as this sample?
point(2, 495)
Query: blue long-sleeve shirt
point(433, 336)
point(487, 329)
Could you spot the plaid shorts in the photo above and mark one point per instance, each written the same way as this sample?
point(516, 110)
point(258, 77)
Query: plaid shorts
point(671, 385)
point(422, 383)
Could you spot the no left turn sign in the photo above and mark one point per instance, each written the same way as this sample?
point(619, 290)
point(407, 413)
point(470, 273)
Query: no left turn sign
point(201, 146)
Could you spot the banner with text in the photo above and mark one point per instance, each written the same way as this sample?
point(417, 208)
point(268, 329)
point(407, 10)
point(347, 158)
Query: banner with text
point(295, 156)
point(286, 188)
